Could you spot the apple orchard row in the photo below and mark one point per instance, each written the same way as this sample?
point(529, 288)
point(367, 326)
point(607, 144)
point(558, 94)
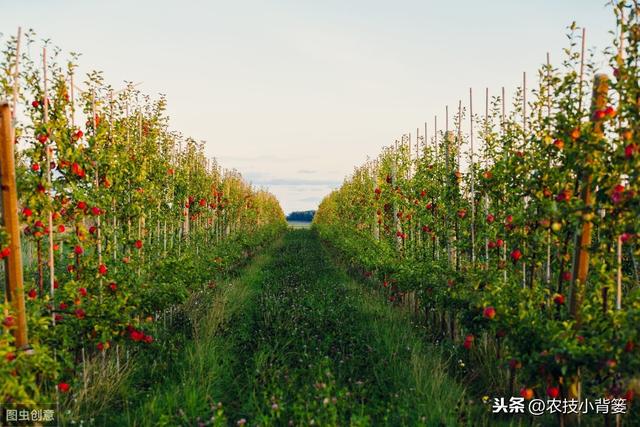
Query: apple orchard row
point(522, 250)
point(112, 205)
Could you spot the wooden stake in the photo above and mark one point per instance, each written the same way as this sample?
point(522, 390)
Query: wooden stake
point(524, 140)
point(424, 140)
point(524, 105)
point(436, 246)
point(619, 275)
point(417, 147)
point(459, 142)
point(435, 137)
point(13, 263)
point(548, 269)
point(446, 118)
point(584, 33)
point(473, 196)
point(503, 106)
point(502, 123)
point(96, 178)
point(16, 75)
point(48, 149)
point(486, 199)
point(600, 89)
point(72, 100)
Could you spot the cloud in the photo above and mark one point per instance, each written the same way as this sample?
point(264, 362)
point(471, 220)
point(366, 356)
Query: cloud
point(262, 158)
point(310, 199)
point(312, 189)
point(297, 182)
point(307, 171)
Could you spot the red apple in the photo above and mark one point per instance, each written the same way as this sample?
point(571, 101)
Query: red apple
point(629, 346)
point(5, 252)
point(9, 321)
point(516, 254)
point(468, 342)
point(489, 312)
point(527, 393)
point(575, 134)
point(610, 111)
point(136, 335)
point(599, 114)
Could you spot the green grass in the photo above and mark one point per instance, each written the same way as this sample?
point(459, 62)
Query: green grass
point(294, 340)
point(299, 224)
point(196, 380)
point(326, 351)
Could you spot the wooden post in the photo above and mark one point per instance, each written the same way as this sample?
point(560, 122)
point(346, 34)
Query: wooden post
point(502, 99)
point(396, 223)
point(524, 106)
point(502, 123)
point(600, 89)
point(524, 140)
point(424, 140)
point(96, 178)
point(52, 277)
point(486, 196)
point(584, 34)
point(13, 263)
point(619, 274)
point(548, 266)
point(417, 147)
point(16, 75)
point(472, 171)
point(72, 100)
point(435, 139)
point(376, 226)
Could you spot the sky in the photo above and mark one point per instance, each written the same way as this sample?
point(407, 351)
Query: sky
point(294, 94)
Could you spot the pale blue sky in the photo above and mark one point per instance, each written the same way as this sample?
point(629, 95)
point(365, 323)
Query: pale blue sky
point(295, 93)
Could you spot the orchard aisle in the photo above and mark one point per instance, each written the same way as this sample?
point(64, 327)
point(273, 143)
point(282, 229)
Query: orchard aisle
point(295, 339)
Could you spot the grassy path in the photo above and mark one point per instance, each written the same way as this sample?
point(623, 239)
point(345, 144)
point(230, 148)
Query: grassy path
point(294, 341)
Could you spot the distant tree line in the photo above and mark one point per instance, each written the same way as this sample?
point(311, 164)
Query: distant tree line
point(306, 216)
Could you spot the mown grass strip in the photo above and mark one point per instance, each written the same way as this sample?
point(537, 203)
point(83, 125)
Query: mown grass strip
point(324, 351)
point(295, 341)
